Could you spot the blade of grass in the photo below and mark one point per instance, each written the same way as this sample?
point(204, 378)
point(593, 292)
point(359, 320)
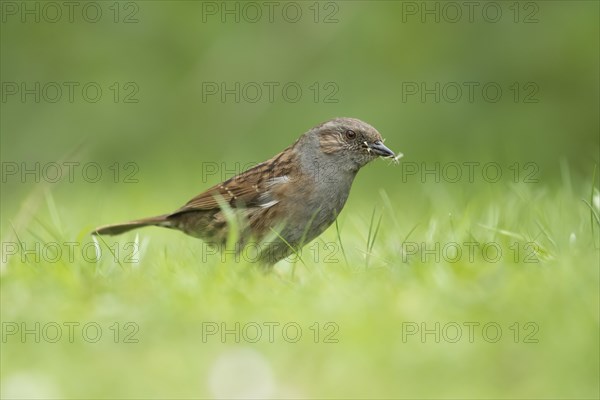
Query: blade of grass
point(54, 215)
point(451, 217)
point(369, 238)
point(592, 212)
point(388, 204)
point(109, 249)
point(53, 233)
point(592, 199)
point(372, 236)
point(18, 241)
point(375, 233)
point(409, 233)
point(290, 246)
point(339, 237)
point(306, 228)
point(233, 232)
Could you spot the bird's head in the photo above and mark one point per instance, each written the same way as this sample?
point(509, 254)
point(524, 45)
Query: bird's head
point(353, 142)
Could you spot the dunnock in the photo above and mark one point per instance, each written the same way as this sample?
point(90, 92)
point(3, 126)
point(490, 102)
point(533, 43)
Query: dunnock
point(282, 203)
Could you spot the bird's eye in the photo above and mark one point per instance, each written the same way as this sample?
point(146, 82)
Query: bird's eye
point(350, 134)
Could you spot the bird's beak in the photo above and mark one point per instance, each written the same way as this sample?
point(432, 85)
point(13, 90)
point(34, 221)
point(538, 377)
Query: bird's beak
point(380, 149)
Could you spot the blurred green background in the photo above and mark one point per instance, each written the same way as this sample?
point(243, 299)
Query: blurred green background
point(154, 61)
point(368, 54)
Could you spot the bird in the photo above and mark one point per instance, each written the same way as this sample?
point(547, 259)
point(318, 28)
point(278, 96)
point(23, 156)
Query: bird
point(283, 203)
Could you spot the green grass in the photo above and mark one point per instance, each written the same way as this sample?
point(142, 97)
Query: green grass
point(359, 296)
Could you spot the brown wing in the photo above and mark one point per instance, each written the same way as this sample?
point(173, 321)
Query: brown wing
point(249, 189)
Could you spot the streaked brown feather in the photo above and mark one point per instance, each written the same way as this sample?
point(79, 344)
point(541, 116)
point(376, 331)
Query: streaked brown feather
point(245, 190)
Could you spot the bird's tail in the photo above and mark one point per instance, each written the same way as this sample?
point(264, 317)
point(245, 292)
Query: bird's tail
point(117, 229)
